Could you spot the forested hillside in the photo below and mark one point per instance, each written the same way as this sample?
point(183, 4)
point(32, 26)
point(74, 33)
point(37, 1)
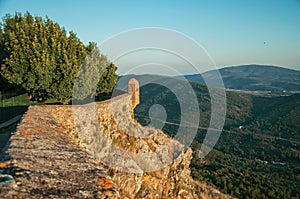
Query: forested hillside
point(258, 153)
point(277, 116)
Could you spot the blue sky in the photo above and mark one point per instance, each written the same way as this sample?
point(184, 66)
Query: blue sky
point(233, 32)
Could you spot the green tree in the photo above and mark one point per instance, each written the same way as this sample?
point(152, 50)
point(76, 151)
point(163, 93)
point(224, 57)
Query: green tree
point(88, 77)
point(107, 80)
point(39, 56)
point(26, 63)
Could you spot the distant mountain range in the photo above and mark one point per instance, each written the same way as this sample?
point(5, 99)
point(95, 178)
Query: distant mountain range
point(275, 115)
point(254, 78)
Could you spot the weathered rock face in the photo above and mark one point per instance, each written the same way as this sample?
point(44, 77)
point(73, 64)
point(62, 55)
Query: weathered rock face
point(103, 151)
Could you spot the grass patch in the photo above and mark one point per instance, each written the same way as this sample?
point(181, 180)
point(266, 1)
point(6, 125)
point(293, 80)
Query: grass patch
point(13, 106)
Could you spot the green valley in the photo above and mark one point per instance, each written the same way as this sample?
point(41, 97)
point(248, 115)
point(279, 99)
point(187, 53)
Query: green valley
point(258, 153)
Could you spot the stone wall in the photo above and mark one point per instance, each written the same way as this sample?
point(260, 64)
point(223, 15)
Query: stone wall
point(43, 160)
point(138, 162)
point(134, 91)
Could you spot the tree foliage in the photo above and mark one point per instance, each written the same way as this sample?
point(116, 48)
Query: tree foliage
point(40, 56)
point(88, 76)
point(107, 80)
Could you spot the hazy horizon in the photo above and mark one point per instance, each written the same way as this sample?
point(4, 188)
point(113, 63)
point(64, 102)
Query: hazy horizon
point(174, 75)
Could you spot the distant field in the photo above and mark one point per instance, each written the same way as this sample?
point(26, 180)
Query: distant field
point(13, 106)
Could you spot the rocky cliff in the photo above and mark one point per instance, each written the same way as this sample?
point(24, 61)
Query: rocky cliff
point(96, 151)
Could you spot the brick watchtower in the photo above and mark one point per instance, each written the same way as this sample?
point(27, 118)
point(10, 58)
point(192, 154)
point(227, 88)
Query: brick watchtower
point(134, 91)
